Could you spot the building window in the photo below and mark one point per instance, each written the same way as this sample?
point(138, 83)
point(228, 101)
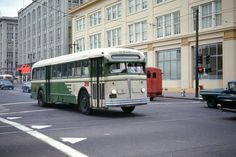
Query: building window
point(136, 5)
point(168, 24)
point(114, 12)
point(95, 19)
point(80, 44)
point(212, 61)
point(169, 62)
point(80, 24)
point(210, 15)
point(114, 37)
point(138, 32)
point(58, 35)
point(95, 41)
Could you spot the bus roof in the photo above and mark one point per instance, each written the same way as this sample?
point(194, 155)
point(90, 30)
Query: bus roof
point(93, 53)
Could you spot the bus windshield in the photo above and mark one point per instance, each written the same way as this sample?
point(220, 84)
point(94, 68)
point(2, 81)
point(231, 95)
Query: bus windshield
point(126, 68)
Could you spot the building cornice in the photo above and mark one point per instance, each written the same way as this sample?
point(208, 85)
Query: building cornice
point(82, 6)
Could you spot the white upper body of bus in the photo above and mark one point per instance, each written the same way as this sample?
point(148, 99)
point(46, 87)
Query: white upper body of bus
point(112, 54)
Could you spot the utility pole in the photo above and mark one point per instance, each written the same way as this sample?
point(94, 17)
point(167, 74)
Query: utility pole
point(196, 58)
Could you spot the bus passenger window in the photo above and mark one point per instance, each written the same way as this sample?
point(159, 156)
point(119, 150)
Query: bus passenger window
point(64, 70)
point(85, 68)
point(42, 73)
point(78, 69)
point(148, 74)
point(70, 69)
point(58, 71)
point(34, 74)
point(54, 72)
point(38, 74)
point(154, 75)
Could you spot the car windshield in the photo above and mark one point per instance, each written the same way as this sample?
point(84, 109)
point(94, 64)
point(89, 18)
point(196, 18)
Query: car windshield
point(232, 86)
point(130, 68)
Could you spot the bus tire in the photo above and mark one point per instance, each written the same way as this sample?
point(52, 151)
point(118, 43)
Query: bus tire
point(128, 109)
point(151, 98)
point(40, 98)
point(84, 103)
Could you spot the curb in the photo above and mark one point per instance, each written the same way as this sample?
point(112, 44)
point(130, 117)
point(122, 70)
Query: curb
point(186, 98)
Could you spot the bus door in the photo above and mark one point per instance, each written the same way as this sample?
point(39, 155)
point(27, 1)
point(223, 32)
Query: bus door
point(97, 82)
point(47, 83)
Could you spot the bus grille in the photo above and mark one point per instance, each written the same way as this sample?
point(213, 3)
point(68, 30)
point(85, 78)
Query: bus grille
point(101, 91)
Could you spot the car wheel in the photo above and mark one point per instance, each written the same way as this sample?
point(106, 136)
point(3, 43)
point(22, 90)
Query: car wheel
point(211, 102)
point(84, 103)
point(128, 109)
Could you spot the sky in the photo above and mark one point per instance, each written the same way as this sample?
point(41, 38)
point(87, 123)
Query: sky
point(10, 8)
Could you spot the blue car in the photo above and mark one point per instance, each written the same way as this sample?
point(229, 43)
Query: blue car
point(6, 84)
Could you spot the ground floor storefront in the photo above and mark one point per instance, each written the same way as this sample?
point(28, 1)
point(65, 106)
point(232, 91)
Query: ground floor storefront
point(176, 57)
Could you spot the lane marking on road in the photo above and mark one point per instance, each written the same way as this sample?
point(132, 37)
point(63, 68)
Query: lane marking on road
point(72, 140)
point(17, 103)
point(31, 111)
point(54, 143)
point(40, 126)
point(12, 118)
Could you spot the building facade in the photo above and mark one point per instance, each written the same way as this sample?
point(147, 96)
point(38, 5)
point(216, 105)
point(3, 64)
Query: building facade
point(165, 31)
point(44, 30)
point(8, 45)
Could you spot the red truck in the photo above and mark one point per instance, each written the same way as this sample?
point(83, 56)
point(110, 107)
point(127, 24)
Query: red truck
point(154, 82)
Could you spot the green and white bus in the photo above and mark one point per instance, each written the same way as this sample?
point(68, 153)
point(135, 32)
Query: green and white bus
point(92, 79)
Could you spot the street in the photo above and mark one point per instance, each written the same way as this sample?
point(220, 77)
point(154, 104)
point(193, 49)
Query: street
point(164, 128)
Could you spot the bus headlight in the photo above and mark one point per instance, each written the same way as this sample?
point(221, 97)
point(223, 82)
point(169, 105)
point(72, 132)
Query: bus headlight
point(143, 90)
point(113, 91)
point(113, 94)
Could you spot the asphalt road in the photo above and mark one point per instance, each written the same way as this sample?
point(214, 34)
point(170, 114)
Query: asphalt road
point(164, 128)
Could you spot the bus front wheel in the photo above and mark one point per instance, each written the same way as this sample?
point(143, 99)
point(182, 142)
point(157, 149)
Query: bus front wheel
point(84, 104)
point(128, 109)
point(41, 99)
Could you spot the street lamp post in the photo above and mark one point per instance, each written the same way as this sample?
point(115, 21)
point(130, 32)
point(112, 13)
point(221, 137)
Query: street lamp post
point(75, 46)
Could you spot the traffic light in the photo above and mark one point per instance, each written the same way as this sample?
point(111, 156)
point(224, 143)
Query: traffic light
point(208, 59)
point(200, 70)
point(199, 59)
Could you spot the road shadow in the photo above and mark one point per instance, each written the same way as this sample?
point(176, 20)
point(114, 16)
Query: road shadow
point(108, 113)
point(233, 118)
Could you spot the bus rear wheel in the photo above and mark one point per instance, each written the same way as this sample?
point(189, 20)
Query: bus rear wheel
point(128, 109)
point(41, 99)
point(84, 103)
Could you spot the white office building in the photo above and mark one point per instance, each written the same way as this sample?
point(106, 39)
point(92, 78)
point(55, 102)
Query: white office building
point(8, 45)
point(44, 30)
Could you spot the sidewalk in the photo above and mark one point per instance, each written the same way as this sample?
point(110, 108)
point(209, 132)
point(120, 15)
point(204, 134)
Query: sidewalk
point(179, 95)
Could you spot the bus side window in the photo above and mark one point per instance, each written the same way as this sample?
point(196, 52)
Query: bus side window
point(54, 71)
point(85, 68)
point(42, 73)
point(154, 75)
point(148, 74)
point(77, 68)
point(70, 68)
point(38, 74)
point(64, 70)
point(34, 75)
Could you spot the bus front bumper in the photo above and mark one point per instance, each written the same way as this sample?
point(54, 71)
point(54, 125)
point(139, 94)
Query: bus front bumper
point(126, 102)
